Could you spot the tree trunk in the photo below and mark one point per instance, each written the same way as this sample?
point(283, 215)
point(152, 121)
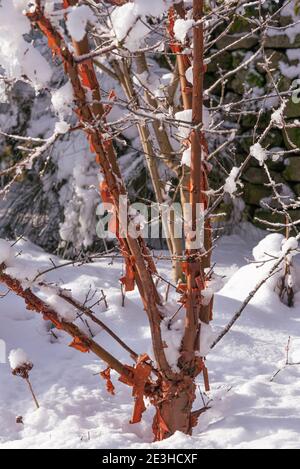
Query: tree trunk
point(145, 138)
point(174, 411)
point(173, 393)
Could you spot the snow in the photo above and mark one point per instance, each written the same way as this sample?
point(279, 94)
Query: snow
point(61, 127)
point(185, 118)
point(231, 182)
point(22, 271)
point(128, 27)
point(62, 100)
point(64, 310)
point(248, 410)
point(269, 247)
point(49, 7)
point(18, 57)
point(153, 8)
point(293, 30)
point(259, 153)
point(172, 335)
point(79, 198)
point(207, 337)
point(213, 285)
point(6, 252)
point(18, 358)
point(278, 115)
point(187, 157)
point(289, 11)
point(129, 21)
point(190, 75)
point(274, 246)
point(153, 82)
point(290, 246)
point(182, 28)
point(78, 17)
point(3, 96)
point(290, 71)
point(24, 5)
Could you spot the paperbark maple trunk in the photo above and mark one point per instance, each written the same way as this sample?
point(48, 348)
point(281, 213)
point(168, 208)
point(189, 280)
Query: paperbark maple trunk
point(82, 77)
point(175, 409)
point(174, 412)
point(123, 72)
point(174, 393)
point(190, 100)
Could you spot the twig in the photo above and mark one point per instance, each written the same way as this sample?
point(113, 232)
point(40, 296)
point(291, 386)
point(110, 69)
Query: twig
point(32, 393)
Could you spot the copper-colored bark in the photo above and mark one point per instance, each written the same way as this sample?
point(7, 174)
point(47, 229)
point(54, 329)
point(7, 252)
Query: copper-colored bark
point(191, 98)
point(34, 303)
point(174, 393)
point(84, 75)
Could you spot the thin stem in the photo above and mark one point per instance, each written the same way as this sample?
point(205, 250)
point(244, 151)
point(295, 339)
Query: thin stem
point(32, 393)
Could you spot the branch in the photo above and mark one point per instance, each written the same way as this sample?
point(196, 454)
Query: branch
point(34, 303)
point(89, 313)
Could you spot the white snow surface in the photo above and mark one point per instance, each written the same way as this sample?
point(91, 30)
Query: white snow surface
point(248, 410)
point(290, 246)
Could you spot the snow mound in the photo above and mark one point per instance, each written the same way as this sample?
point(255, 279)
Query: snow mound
point(275, 245)
point(290, 246)
point(248, 411)
point(269, 247)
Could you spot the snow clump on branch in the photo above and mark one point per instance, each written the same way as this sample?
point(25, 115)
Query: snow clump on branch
point(20, 59)
point(259, 153)
point(129, 21)
point(231, 183)
point(77, 20)
point(62, 100)
point(18, 358)
point(182, 28)
point(290, 247)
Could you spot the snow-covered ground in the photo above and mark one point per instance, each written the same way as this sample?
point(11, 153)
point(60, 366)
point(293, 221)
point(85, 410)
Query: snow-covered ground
point(248, 410)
